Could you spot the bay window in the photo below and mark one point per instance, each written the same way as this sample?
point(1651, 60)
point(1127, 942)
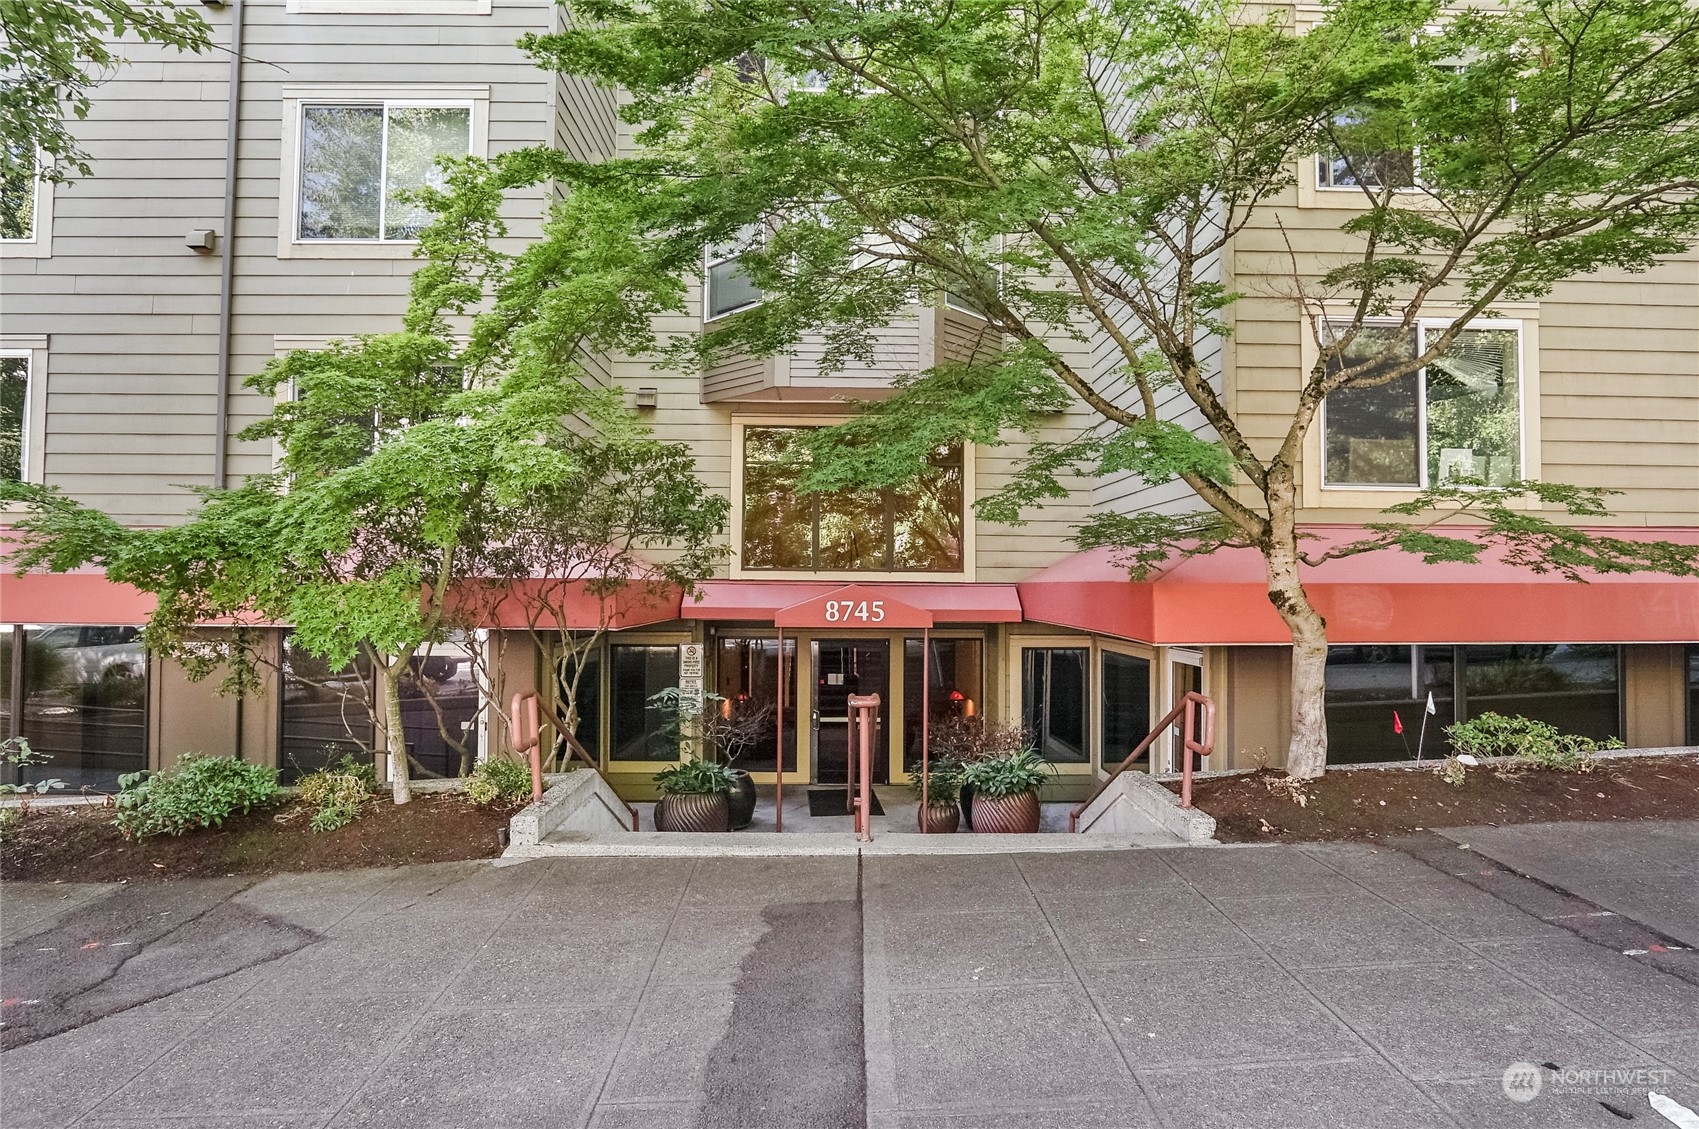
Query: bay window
point(1460, 417)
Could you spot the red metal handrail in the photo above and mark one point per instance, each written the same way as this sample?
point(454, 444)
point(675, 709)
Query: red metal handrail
point(1201, 746)
point(525, 729)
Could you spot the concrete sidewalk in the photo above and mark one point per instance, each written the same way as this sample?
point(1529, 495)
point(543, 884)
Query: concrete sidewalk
point(1285, 987)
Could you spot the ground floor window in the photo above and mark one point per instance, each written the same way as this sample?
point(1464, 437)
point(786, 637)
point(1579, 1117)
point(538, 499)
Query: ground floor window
point(78, 694)
point(325, 714)
point(1693, 695)
point(955, 688)
point(637, 731)
point(1126, 707)
point(746, 678)
point(1373, 692)
point(440, 701)
point(1055, 695)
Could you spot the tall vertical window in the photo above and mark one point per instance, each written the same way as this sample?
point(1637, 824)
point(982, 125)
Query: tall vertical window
point(84, 702)
point(440, 703)
point(1126, 708)
point(955, 670)
point(20, 192)
point(637, 730)
point(917, 528)
point(1055, 700)
point(1693, 695)
point(326, 712)
point(746, 677)
point(1458, 418)
point(14, 415)
point(356, 160)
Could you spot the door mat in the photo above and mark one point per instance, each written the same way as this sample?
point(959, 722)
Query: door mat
point(830, 801)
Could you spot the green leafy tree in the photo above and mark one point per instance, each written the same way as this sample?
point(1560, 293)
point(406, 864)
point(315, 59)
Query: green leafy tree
point(1073, 169)
point(422, 473)
point(53, 53)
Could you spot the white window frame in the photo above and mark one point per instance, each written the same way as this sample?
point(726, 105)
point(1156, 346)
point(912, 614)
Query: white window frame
point(297, 97)
point(39, 245)
point(738, 572)
point(388, 7)
point(1523, 318)
point(32, 459)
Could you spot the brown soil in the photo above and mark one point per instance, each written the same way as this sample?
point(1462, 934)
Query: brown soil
point(79, 844)
point(1375, 803)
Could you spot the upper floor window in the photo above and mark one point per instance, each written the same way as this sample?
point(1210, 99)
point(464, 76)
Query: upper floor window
point(917, 528)
point(1366, 154)
point(19, 190)
point(1460, 417)
point(357, 159)
point(14, 415)
point(727, 285)
point(26, 207)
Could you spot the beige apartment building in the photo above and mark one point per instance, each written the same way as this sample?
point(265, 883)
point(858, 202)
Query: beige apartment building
point(136, 302)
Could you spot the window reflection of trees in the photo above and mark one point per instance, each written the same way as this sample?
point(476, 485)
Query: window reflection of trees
point(917, 528)
point(356, 160)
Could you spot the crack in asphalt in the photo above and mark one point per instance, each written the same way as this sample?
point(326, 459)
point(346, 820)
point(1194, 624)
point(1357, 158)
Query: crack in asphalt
point(60, 984)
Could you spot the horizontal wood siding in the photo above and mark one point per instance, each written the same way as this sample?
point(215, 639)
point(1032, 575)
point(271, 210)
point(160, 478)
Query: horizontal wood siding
point(132, 314)
point(1618, 365)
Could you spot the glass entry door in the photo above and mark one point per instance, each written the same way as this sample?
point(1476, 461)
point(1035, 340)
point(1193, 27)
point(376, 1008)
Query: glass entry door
point(843, 667)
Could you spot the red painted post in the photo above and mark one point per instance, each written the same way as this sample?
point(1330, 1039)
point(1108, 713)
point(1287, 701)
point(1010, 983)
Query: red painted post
point(779, 746)
point(925, 726)
point(864, 709)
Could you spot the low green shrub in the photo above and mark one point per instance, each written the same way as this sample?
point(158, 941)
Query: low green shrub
point(498, 778)
point(1008, 775)
point(696, 778)
point(336, 793)
point(15, 753)
point(944, 782)
point(198, 791)
point(1532, 742)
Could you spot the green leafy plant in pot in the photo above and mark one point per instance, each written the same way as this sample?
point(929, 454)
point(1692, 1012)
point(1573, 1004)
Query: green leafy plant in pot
point(940, 810)
point(724, 728)
point(1005, 792)
point(695, 796)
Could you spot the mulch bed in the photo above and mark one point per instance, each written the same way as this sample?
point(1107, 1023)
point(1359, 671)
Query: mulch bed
point(79, 844)
point(1375, 803)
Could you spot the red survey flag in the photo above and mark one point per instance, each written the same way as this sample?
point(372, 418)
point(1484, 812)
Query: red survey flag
point(1397, 723)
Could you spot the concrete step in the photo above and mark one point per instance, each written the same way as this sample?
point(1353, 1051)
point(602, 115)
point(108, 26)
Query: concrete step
point(660, 844)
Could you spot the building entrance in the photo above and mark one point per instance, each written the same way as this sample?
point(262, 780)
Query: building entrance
point(843, 667)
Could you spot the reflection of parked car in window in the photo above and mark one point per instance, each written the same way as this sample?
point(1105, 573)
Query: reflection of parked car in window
point(89, 654)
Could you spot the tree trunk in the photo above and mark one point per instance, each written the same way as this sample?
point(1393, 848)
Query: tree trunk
point(397, 736)
point(1306, 753)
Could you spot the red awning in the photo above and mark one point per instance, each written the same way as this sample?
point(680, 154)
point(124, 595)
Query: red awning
point(762, 600)
point(520, 605)
point(71, 597)
point(1383, 597)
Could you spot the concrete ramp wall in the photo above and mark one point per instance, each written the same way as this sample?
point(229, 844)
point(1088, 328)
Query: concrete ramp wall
point(1136, 805)
point(578, 801)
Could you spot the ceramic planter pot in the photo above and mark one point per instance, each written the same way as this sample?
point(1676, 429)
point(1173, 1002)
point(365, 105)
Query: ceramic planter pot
point(694, 811)
point(939, 819)
point(742, 801)
point(1006, 815)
